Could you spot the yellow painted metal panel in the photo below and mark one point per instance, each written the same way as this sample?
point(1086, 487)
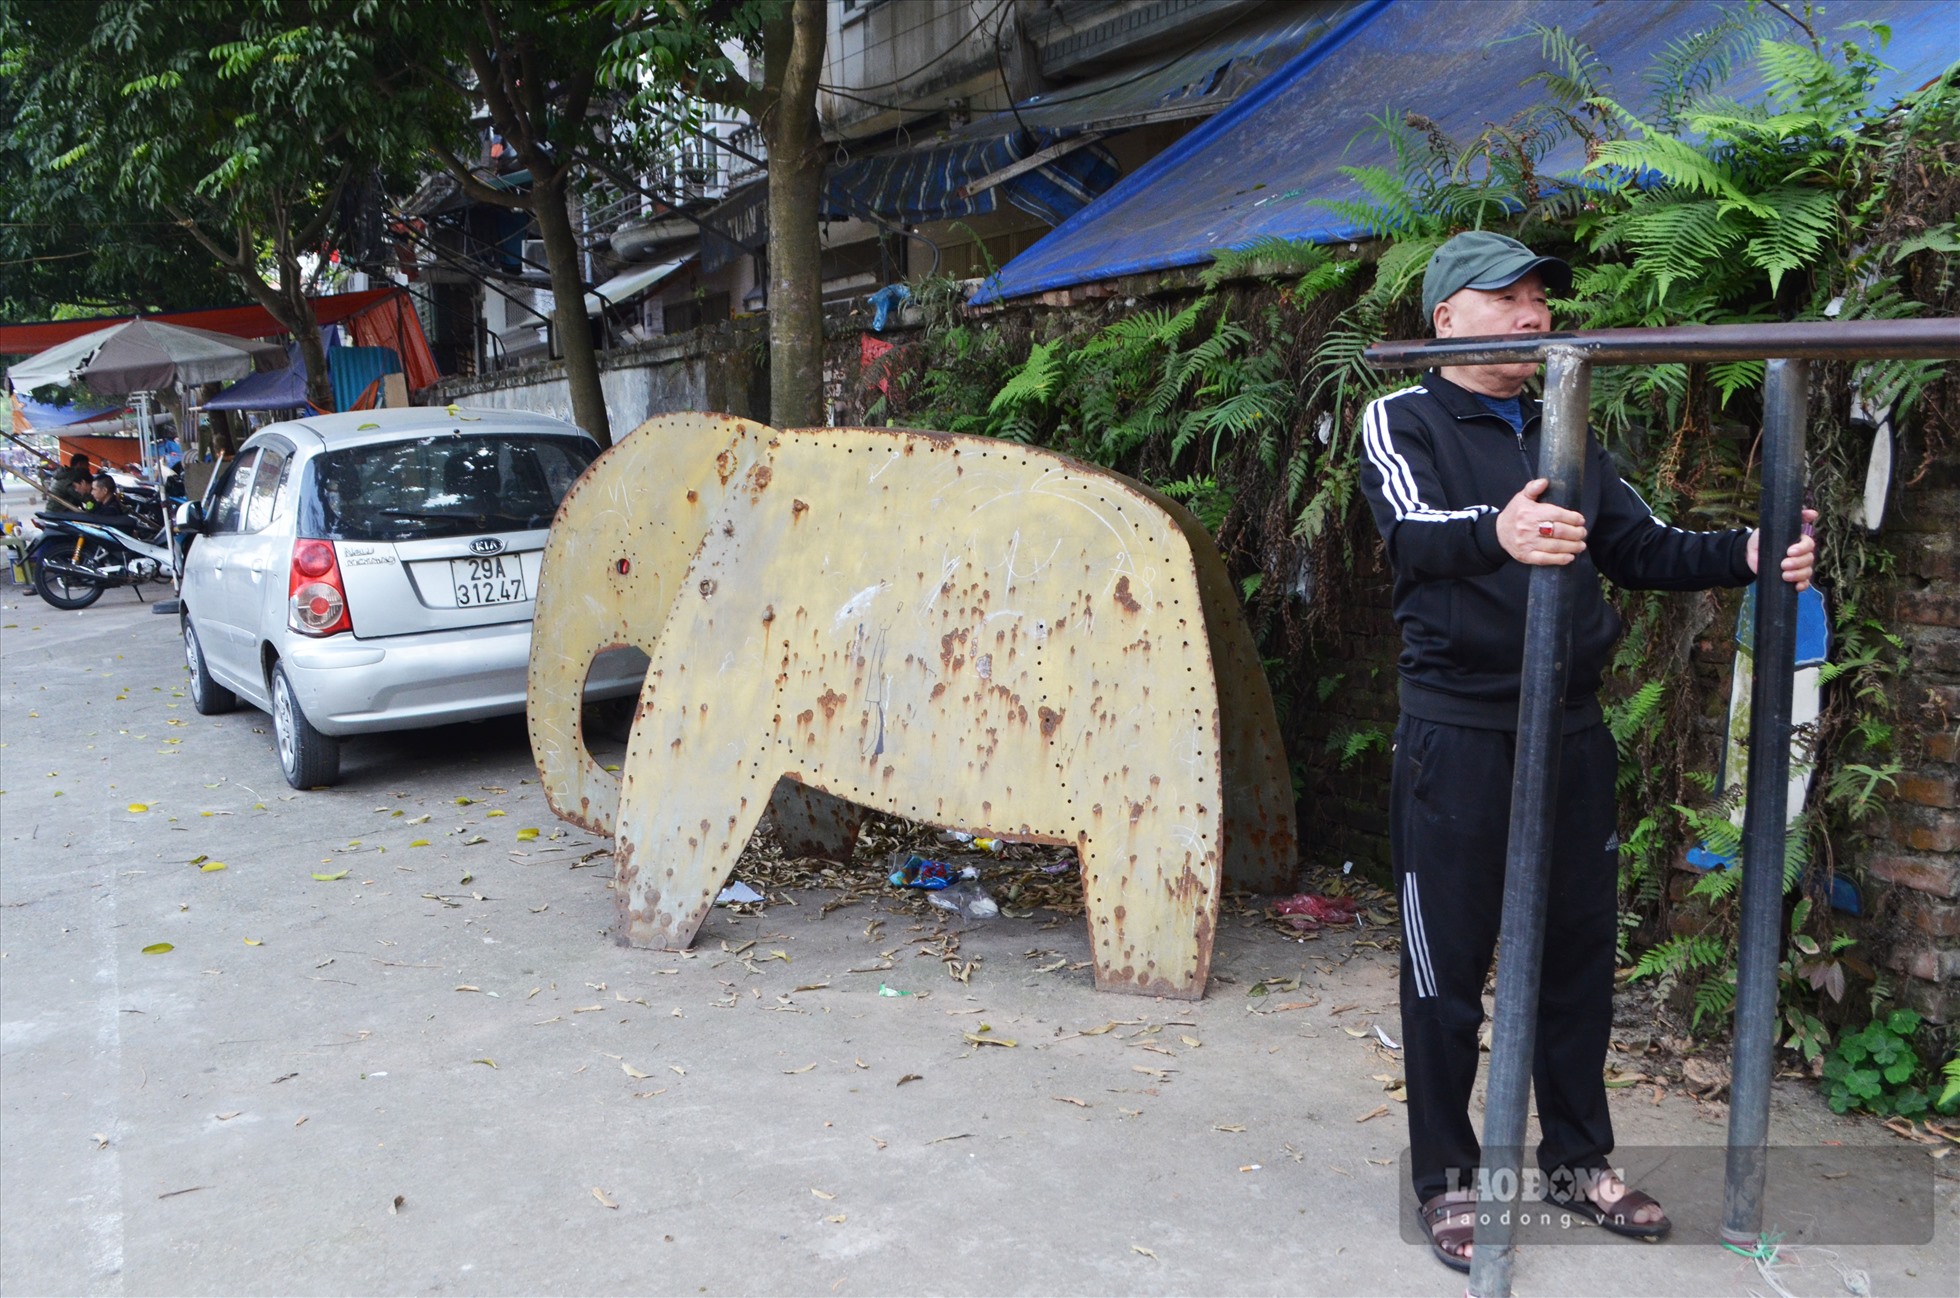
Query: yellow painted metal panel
point(958, 630)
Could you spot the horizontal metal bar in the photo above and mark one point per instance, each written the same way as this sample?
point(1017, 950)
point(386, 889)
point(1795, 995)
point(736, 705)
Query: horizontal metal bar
point(1810, 340)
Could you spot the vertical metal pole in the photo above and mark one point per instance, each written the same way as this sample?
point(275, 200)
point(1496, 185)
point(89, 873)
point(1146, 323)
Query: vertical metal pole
point(1534, 796)
point(1785, 393)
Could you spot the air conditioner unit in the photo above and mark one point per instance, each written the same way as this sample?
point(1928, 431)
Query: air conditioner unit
point(534, 258)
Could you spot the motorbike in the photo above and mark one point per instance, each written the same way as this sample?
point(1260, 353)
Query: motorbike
point(78, 556)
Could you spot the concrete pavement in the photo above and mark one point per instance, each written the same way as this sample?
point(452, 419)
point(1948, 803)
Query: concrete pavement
point(437, 1073)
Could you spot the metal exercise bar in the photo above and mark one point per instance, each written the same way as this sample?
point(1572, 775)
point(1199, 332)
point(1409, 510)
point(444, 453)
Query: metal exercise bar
point(1813, 340)
point(1786, 347)
point(1785, 396)
point(1534, 796)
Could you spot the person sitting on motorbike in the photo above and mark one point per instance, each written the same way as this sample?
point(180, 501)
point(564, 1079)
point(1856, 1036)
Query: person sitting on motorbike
point(104, 498)
point(69, 488)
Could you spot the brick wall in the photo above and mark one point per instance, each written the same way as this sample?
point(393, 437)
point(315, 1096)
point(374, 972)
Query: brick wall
point(1915, 849)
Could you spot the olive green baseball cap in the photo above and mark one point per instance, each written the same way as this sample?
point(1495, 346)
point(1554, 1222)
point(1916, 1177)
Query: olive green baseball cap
point(1484, 259)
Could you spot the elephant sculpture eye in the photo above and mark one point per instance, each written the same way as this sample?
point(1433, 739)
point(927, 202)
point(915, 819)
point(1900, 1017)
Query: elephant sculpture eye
point(625, 566)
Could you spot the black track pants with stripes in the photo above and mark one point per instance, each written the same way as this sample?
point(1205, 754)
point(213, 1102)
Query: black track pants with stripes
point(1449, 821)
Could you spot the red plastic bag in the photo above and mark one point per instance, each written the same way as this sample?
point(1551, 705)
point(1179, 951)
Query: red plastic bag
point(1321, 909)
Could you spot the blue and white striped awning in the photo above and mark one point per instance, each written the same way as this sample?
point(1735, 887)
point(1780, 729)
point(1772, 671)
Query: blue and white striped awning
point(947, 181)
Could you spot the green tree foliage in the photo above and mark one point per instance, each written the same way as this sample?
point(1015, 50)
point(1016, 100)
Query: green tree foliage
point(66, 249)
point(246, 125)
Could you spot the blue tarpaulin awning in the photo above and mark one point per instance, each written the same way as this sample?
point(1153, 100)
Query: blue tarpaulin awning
point(931, 184)
point(275, 389)
point(1257, 169)
point(41, 415)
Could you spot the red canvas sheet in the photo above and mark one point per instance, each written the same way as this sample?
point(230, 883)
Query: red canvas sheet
point(380, 317)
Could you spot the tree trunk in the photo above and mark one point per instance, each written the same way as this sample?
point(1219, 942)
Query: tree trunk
point(312, 352)
point(793, 61)
point(569, 321)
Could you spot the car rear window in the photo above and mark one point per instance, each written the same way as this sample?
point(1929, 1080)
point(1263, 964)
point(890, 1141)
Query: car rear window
point(447, 484)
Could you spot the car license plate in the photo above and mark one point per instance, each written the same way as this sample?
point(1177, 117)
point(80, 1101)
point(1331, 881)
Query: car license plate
point(488, 581)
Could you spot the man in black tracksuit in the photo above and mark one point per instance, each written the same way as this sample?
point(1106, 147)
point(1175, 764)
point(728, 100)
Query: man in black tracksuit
point(1449, 469)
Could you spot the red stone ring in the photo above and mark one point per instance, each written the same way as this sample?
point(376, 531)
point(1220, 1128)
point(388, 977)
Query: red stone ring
point(1544, 529)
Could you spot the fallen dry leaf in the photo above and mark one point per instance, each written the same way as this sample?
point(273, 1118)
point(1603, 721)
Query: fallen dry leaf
point(911, 1077)
point(974, 1038)
point(822, 1194)
point(1138, 1248)
point(838, 1220)
point(1227, 1126)
point(1070, 1099)
point(396, 1207)
point(633, 1072)
point(791, 1072)
point(1375, 1112)
point(600, 1195)
point(227, 1117)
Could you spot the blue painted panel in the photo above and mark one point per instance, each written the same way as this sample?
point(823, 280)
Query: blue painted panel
point(353, 368)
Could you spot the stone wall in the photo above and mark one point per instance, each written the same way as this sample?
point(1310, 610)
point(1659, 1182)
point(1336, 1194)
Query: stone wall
point(719, 368)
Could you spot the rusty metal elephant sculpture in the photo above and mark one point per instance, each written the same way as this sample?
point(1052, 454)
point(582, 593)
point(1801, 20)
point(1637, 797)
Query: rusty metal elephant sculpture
point(961, 631)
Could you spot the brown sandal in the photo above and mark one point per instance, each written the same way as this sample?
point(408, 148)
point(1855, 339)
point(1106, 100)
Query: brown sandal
point(1450, 1220)
point(1619, 1216)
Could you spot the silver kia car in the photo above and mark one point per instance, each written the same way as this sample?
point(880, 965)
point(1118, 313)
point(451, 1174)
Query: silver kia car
point(377, 571)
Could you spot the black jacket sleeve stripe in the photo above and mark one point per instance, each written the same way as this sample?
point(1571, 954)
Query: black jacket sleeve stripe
point(1398, 480)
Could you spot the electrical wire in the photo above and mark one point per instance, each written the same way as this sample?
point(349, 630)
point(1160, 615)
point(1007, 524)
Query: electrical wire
point(1087, 93)
point(950, 49)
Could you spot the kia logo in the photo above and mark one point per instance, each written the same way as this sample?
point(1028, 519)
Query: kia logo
point(486, 545)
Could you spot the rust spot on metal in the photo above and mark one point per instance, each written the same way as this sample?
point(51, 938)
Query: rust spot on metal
point(693, 496)
point(1050, 719)
point(769, 613)
point(707, 587)
point(725, 466)
point(796, 508)
point(803, 720)
point(1124, 598)
point(830, 701)
point(759, 478)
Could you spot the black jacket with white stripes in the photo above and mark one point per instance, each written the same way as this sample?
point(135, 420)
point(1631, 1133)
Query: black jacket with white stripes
point(1438, 465)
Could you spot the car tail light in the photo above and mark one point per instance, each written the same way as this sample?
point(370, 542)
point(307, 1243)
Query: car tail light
point(316, 603)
